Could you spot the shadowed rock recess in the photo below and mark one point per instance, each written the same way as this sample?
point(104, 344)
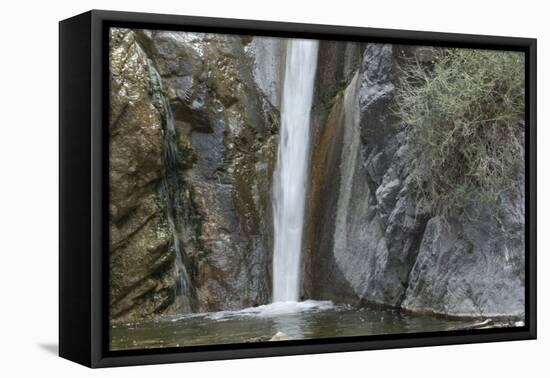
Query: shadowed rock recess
point(194, 129)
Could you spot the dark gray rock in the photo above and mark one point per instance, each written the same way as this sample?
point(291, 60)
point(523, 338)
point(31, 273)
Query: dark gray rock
point(210, 149)
point(467, 268)
point(377, 240)
point(376, 227)
point(378, 90)
point(226, 119)
point(337, 63)
point(268, 57)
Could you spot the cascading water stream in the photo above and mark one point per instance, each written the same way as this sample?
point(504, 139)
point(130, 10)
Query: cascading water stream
point(171, 184)
point(290, 178)
point(171, 188)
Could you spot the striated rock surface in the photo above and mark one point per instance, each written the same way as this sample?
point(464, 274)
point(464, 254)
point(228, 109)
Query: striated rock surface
point(369, 235)
point(385, 218)
point(224, 102)
point(222, 94)
point(141, 258)
point(371, 228)
point(337, 64)
point(373, 237)
point(268, 57)
point(474, 267)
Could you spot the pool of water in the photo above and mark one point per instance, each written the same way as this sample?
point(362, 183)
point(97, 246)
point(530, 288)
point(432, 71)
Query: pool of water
point(296, 320)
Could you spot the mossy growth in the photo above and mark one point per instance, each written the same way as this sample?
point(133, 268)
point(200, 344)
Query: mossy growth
point(466, 111)
point(197, 221)
point(155, 89)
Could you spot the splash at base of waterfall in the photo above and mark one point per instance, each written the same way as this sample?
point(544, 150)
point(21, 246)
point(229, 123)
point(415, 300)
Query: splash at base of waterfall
point(269, 310)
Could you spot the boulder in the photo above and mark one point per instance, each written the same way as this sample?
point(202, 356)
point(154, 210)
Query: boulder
point(279, 336)
point(472, 267)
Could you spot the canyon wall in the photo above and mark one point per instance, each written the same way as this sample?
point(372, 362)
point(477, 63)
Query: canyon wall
point(376, 239)
point(369, 236)
point(223, 94)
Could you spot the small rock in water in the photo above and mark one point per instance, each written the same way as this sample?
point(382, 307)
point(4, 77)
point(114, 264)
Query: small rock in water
point(279, 336)
point(484, 324)
point(258, 339)
point(487, 323)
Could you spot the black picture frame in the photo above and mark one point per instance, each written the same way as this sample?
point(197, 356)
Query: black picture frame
point(83, 195)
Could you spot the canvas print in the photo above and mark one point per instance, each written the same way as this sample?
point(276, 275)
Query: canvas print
point(267, 189)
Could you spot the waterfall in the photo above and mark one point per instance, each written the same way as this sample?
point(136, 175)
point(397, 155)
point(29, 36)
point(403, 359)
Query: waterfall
point(171, 186)
point(290, 177)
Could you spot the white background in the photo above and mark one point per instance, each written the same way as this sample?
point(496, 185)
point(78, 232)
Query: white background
point(29, 187)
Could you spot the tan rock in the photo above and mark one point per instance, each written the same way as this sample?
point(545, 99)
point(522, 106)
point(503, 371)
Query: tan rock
point(280, 336)
point(141, 262)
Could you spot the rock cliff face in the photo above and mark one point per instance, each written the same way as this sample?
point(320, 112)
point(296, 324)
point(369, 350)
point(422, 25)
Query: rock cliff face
point(337, 64)
point(376, 239)
point(221, 92)
point(472, 268)
point(141, 258)
point(224, 119)
point(369, 236)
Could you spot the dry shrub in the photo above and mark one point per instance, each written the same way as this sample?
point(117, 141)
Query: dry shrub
point(466, 110)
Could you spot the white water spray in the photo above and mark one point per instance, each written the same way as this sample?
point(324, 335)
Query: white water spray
point(290, 178)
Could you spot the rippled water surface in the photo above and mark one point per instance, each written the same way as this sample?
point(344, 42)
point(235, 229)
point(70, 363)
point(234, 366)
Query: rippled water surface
point(297, 320)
